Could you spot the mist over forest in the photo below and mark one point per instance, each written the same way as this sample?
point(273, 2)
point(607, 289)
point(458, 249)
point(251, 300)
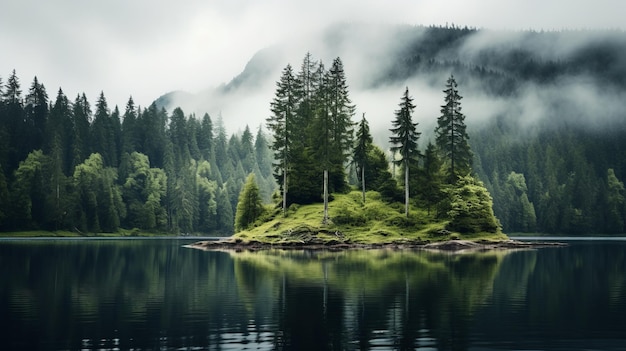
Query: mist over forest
point(526, 75)
point(544, 109)
point(544, 114)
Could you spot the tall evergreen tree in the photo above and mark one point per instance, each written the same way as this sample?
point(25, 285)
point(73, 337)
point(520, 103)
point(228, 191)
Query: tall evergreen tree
point(60, 131)
point(404, 141)
point(282, 125)
point(81, 120)
point(342, 127)
point(101, 132)
point(16, 131)
point(36, 114)
point(451, 134)
point(129, 128)
point(205, 138)
point(334, 130)
point(363, 145)
point(246, 151)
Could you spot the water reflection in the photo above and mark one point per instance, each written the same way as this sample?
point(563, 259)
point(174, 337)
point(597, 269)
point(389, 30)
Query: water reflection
point(370, 298)
point(158, 295)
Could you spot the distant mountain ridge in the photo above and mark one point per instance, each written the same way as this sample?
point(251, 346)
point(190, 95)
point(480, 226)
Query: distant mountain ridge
point(490, 63)
point(544, 109)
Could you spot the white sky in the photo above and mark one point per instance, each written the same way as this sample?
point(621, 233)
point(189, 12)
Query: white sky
point(147, 48)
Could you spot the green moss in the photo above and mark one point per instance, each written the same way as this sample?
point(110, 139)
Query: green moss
point(351, 221)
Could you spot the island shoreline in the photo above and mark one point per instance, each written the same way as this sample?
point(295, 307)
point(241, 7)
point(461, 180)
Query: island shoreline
point(445, 246)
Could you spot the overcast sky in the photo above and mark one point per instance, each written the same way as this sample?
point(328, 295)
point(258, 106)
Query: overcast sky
point(146, 48)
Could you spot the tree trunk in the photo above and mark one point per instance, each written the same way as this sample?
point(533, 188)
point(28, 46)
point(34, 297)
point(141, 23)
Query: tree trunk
point(363, 181)
point(325, 220)
point(285, 192)
point(406, 188)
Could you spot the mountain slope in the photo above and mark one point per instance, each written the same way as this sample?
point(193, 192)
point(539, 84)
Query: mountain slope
point(544, 109)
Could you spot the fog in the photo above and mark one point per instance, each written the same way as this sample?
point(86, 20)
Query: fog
point(369, 51)
point(145, 49)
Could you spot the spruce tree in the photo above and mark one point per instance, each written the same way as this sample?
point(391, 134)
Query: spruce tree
point(205, 138)
point(361, 150)
point(60, 131)
point(281, 125)
point(36, 115)
point(404, 141)
point(129, 128)
point(451, 134)
point(81, 115)
point(16, 132)
point(342, 127)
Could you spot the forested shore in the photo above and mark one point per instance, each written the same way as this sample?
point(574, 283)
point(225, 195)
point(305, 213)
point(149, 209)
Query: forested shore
point(145, 169)
point(69, 166)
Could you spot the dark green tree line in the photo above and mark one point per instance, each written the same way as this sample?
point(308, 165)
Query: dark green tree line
point(67, 167)
point(312, 131)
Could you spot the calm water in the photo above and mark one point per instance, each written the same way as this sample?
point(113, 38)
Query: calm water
point(156, 294)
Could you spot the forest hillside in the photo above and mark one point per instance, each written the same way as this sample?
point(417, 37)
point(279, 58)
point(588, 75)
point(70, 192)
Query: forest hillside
point(544, 109)
point(544, 114)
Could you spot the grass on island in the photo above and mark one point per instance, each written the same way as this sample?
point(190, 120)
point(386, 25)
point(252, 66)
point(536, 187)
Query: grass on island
point(351, 220)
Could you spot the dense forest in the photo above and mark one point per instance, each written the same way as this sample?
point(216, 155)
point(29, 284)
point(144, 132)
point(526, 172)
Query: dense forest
point(552, 154)
point(68, 166)
point(69, 169)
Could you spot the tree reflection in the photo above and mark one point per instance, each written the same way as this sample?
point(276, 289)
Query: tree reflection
point(148, 294)
point(394, 299)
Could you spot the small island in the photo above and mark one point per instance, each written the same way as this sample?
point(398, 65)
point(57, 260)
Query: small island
point(433, 202)
point(374, 224)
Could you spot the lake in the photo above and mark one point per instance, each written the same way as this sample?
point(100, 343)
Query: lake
point(158, 295)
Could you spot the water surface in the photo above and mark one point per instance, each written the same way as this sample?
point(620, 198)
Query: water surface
point(156, 294)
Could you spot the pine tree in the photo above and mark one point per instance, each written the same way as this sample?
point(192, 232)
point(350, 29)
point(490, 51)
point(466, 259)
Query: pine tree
point(205, 138)
point(81, 120)
point(363, 145)
point(246, 152)
point(281, 125)
point(451, 134)
point(16, 131)
point(60, 131)
point(342, 127)
point(36, 113)
point(333, 130)
point(404, 141)
point(129, 128)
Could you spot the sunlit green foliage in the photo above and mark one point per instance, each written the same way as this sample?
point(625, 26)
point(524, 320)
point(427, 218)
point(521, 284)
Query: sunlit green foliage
point(250, 206)
point(470, 207)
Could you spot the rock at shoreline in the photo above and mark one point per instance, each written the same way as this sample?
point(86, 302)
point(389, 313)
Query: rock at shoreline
point(334, 245)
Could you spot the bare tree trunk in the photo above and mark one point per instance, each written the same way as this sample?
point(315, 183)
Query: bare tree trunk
point(285, 192)
point(406, 188)
point(363, 181)
point(325, 220)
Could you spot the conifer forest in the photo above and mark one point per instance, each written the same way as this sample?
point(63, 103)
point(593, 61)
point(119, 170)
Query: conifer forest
point(67, 163)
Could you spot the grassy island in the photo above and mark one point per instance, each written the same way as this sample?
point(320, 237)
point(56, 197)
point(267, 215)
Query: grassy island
point(352, 221)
